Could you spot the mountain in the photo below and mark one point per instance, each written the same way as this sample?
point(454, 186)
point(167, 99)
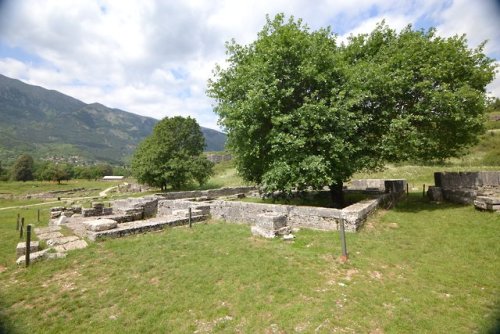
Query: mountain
point(48, 124)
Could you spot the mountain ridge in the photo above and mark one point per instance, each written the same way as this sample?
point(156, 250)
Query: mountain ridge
point(47, 124)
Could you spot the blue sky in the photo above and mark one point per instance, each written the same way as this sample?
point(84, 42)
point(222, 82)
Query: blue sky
point(154, 58)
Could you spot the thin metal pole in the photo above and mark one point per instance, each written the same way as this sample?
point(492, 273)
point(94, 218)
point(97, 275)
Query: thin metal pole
point(28, 244)
point(18, 221)
point(423, 190)
point(190, 222)
point(344, 256)
point(38, 216)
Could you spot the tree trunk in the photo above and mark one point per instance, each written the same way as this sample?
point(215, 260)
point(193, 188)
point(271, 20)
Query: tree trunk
point(337, 195)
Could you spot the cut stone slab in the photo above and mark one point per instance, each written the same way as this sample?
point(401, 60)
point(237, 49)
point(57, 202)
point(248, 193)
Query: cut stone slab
point(288, 237)
point(185, 213)
point(78, 244)
point(68, 213)
point(271, 221)
point(43, 230)
point(262, 232)
point(21, 247)
point(62, 220)
point(61, 241)
point(57, 208)
point(487, 203)
point(50, 235)
point(52, 256)
point(100, 224)
point(34, 257)
point(55, 214)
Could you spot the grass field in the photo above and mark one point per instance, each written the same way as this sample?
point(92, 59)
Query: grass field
point(420, 268)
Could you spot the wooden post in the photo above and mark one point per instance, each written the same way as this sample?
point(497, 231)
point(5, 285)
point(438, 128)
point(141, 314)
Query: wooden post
point(190, 222)
point(28, 244)
point(344, 256)
point(21, 228)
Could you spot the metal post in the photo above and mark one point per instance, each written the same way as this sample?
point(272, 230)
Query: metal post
point(344, 256)
point(28, 244)
point(38, 216)
point(407, 189)
point(190, 221)
point(423, 190)
point(21, 228)
point(18, 221)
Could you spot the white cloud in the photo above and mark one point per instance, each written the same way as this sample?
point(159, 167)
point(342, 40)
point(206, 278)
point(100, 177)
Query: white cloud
point(154, 57)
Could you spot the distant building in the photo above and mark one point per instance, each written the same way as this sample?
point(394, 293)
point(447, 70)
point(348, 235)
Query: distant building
point(112, 178)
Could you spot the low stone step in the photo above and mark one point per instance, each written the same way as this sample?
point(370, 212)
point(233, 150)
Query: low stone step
point(21, 247)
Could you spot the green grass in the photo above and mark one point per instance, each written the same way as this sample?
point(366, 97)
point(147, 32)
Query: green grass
point(32, 187)
point(420, 268)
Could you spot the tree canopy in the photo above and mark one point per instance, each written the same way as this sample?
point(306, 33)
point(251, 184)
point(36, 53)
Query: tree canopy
point(172, 155)
point(23, 168)
point(302, 110)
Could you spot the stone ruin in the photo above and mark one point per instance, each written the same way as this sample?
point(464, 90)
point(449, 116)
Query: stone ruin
point(159, 211)
point(479, 188)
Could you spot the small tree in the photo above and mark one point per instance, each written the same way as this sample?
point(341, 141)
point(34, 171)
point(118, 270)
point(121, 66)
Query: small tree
point(23, 168)
point(302, 111)
point(171, 155)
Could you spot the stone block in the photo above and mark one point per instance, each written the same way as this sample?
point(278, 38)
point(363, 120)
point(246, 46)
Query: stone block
point(62, 220)
point(107, 211)
point(100, 225)
point(21, 247)
point(76, 209)
point(435, 194)
point(57, 208)
point(34, 257)
point(78, 244)
point(262, 232)
point(68, 213)
point(97, 205)
point(89, 212)
point(271, 221)
point(55, 214)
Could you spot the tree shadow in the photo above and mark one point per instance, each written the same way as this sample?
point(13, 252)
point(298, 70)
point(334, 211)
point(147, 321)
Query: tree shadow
point(415, 202)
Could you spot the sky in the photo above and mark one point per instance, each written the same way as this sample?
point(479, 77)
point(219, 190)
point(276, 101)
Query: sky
point(154, 58)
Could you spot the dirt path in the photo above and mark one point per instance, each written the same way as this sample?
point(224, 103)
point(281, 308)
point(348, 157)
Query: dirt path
point(101, 194)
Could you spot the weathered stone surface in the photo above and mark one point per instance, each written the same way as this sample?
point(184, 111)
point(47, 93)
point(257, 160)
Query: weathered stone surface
point(100, 225)
point(435, 194)
point(68, 213)
point(76, 209)
point(146, 206)
point(77, 244)
point(53, 256)
point(89, 212)
point(34, 257)
point(167, 207)
point(57, 208)
point(61, 240)
point(487, 203)
point(50, 235)
point(271, 221)
point(141, 226)
point(97, 205)
point(21, 247)
point(288, 237)
point(262, 232)
point(62, 220)
point(107, 211)
point(55, 214)
point(212, 193)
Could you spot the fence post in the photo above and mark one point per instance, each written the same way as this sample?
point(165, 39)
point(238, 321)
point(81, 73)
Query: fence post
point(21, 228)
point(38, 216)
point(190, 221)
point(344, 256)
point(28, 244)
point(423, 190)
point(17, 225)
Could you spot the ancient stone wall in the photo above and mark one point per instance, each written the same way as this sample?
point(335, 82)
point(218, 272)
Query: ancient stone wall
point(212, 193)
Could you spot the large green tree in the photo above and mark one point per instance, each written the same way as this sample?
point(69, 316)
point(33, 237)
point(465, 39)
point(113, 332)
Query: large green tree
point(23, 168)
point(303, 111)
point(172, 155)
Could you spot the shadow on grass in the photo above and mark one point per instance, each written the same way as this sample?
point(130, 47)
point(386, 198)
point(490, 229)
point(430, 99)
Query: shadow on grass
point(415, 202)
point(5, 325)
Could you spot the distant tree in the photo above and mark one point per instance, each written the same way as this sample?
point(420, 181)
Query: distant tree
point(121, 171)
point(302, 111)
point(56, 173)
point(171, 155)
point(84, 172)
point(102, 170)
point(23, 168)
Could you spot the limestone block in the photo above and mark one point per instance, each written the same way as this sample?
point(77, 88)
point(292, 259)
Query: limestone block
point(52, 256)
point(435, 194)
point(262, 232)
point(78, 244)
point(34, 257)
point(21, 247)
point(100, 225)
point(61, 240)
point(57, 208)
point(271, 221)
point(62, 220)
point(55, 214)
point(107, 211)
point(76, 209)
point(88, 212)
point(68, 213)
